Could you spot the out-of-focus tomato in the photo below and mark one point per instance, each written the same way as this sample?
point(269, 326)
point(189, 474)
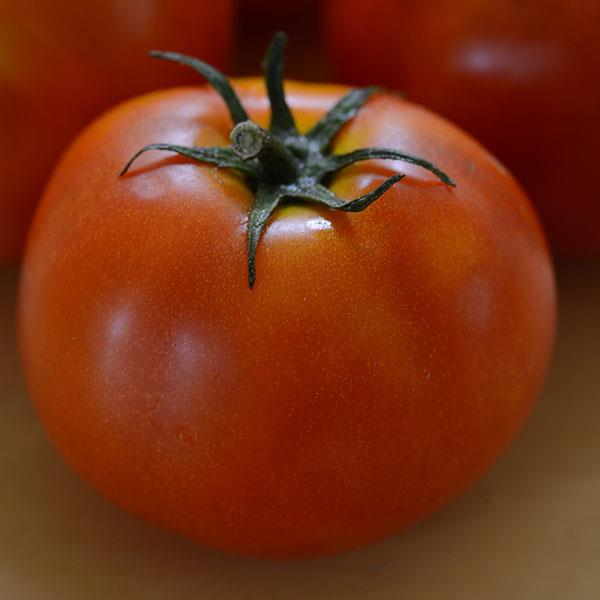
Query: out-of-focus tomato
point(64, 61)
point(380, 364)
point(523, 76)
point(302, 21)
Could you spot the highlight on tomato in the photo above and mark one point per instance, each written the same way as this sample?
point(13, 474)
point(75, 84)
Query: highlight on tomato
point(521, 76)
point(62, 62)
point(283, 319)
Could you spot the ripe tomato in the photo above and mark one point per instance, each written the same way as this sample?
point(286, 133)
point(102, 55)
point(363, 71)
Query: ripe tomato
point(380, 364)
point(62, 62)
point(258, 19)
point(521, 76)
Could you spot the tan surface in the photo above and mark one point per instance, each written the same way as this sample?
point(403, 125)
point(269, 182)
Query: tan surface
point(529, 530)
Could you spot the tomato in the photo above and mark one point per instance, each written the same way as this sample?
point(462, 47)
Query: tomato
point(381, 362)
point(520, 76)
point(62, 62)
point(302, 21)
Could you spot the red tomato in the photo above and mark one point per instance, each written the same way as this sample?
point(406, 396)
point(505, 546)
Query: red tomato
point(381, 363)
point(63, 61)
point(522, 76)
point(258, 19)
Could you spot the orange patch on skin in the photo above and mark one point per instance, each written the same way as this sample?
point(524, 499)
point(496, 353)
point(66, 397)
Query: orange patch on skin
point(453, 250)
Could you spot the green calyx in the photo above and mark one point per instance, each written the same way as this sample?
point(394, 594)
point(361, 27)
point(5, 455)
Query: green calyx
point(280, 163)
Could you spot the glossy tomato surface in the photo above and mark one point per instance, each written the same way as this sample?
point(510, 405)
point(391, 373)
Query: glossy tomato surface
point(380, 364)
point(521, 75)
point(62, 62)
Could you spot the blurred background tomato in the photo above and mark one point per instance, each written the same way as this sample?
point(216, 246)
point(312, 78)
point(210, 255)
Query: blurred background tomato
point(522, 76)
point(64, 61)
point(302, 21)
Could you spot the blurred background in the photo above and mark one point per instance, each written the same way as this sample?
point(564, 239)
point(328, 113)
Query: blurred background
point(522, 77)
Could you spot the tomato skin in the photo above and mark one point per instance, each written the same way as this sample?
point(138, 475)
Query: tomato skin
point(520, 76)
point(381, 363)
point(63, 62)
